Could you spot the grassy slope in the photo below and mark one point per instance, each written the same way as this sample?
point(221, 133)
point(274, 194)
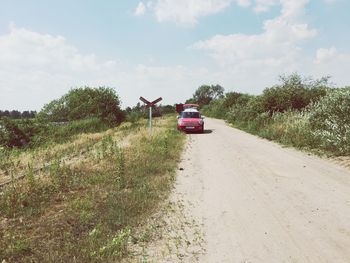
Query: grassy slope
point(84, 208)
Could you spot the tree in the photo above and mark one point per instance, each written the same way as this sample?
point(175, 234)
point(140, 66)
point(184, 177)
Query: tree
point(231, 98)
point(15, 114)
point(206, 93)
point(6, 113)
point(86, 102)
point(293, 93)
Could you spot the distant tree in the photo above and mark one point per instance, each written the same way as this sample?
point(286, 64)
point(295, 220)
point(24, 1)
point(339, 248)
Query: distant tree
point(6, 113)
point(191, 101)
point(128, 109)
point(206, 93)
point(138, 107)
point(231, 98)
point(166, 109)
point(32, 114)
point(26, 115)
point(15, 114)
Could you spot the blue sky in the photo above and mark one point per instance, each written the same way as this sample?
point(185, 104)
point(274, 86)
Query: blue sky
point(166, 47)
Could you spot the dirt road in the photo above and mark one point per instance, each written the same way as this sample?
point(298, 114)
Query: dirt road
point(260, 202)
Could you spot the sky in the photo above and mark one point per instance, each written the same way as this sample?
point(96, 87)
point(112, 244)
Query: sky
point(166, 48)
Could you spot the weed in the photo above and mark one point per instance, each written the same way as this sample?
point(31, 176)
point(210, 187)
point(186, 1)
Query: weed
point(93, 192)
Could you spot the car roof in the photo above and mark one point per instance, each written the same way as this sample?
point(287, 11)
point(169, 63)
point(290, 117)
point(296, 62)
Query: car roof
point(191, 110)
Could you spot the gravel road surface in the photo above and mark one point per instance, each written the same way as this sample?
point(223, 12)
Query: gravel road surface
point(260, 202)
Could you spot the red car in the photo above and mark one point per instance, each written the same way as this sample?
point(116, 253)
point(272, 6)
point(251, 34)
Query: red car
point(190, 120)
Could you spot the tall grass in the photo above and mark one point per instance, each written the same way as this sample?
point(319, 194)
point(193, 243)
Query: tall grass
point(86, 210)
point(323, 125)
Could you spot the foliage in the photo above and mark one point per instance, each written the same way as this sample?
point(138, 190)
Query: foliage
point(59, 133)
point(87, 204)
point(11, 135)
point(15, 114)
point(134, 116)
point(34, 133)
point(86, 102)
point(221, 107)
point(299, 111)
point(246, 108)
point(135, 113)
point(167, 109)
point(330, 120)
point(206, 93)
point(294, 93)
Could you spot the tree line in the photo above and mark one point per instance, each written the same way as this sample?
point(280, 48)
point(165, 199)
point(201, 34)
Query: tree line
point(15, 114)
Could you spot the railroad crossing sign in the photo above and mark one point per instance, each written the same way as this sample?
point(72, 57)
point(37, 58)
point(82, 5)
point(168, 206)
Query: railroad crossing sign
point(150, 104)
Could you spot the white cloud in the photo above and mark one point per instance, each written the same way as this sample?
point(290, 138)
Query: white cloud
point(243, 3)
point(329, 61)
point(264, 5)
point(324, 55)
point(187, 12)
point(140, 9)
point(37, 68)
point(275, 51)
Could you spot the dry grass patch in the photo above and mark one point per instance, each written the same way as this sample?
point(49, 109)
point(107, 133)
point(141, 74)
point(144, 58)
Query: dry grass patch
point(87, 211)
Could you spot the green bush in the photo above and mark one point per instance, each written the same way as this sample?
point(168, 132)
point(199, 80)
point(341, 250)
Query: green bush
point(330, 120)
point(220, 107)
point(291, 128)
point(86, 102)
point(247, 108)
point(11, 135)
point(294, 93)
point(215, 109)
point(134, 116)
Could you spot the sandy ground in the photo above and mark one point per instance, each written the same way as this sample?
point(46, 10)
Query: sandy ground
point(259, 202)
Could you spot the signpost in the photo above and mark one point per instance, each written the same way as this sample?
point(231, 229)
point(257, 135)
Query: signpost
point(150, 105)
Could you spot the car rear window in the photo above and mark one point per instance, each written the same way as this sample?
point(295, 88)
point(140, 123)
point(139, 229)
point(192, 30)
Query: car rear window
point(191, 115)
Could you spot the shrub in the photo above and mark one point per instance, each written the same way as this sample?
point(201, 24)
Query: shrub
point(11, 135)
point(86, 102)
point(133, 116)
point(292, 128)
point(215, 109)
point(294, 93)
point(330, 120)
point(219, 108)
point(247, 108)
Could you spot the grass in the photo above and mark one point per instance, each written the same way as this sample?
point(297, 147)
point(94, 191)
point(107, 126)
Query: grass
point(291, 129)
point(85, 207)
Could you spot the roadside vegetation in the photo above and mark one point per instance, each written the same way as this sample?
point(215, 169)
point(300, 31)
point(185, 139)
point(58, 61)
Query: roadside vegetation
point(85, 204)
point(79, 178)
point(80, 110)
point(299, 112)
